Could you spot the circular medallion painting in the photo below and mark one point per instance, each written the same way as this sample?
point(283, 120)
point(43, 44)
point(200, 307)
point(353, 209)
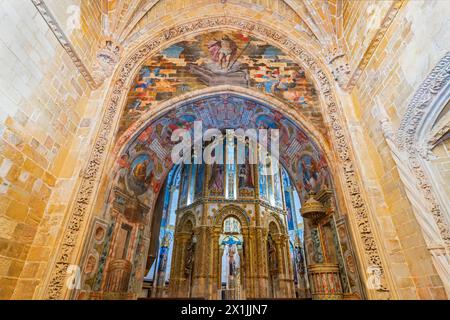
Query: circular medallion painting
point(140, 175)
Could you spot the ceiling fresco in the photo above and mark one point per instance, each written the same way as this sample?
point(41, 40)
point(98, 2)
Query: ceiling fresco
point(143, 166)
point(220, 58)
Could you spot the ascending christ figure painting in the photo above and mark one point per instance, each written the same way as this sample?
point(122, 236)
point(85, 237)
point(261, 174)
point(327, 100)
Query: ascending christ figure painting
point(223, 51)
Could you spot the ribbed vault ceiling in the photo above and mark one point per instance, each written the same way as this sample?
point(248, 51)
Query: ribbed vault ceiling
point(320, 20)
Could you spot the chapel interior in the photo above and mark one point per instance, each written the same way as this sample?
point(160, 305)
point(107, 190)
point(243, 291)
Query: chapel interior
point(346, 198)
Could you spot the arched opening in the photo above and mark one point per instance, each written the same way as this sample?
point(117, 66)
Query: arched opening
point(141, 173)
point(193, 187)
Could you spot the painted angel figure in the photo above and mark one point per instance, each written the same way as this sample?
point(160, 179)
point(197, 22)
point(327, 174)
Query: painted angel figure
point(223, 51)
point(216, 180)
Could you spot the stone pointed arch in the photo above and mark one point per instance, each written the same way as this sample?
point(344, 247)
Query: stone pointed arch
point(80, 214)
point(408, 140)
point(274, 218)
point(172, 104)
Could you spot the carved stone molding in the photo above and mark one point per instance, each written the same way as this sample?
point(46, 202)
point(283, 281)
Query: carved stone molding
point(385, 24)
point(387, 129)
point(64, 41)
point(84, 196)
point(107, 59)
point(440, 133)
point(406, 138)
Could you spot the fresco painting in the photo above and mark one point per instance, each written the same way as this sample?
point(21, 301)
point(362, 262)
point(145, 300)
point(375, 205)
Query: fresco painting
point(218, 58)
point(147, 160)
point(141, 174)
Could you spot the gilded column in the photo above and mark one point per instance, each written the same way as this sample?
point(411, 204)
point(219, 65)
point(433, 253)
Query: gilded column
point(214, 264)
point(201, 263)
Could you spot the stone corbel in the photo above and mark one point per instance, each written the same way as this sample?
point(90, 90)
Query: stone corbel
point(338, 64)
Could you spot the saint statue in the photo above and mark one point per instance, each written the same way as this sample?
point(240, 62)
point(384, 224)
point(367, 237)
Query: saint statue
point(231, 260)
point(273, 263)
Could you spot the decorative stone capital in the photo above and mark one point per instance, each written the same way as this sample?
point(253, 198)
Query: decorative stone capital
point(338, 65)
point(106, 60)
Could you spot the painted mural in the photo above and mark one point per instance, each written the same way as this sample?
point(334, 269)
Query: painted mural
point(140, 176)
point(219, 58)
point(246, 176)
point(146, 161)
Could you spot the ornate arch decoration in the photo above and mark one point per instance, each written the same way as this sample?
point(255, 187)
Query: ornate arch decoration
point(274, 218)
point(434, 130)
point(408, 140)
point(69, 248)
point(273, 226)
point(233, 94)
point(234, 10)
point(231, 211)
